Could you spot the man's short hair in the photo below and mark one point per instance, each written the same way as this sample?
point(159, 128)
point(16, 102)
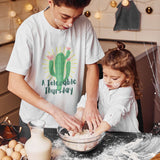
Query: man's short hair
point(72, 3)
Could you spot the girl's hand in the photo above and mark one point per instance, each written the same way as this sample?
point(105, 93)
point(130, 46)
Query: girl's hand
point(91, 115)
point(104, 126)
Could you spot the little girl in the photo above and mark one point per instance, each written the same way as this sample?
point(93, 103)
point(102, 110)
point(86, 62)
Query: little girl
point(117, 93)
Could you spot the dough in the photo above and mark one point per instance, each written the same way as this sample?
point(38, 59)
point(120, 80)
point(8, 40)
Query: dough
point(83, 141)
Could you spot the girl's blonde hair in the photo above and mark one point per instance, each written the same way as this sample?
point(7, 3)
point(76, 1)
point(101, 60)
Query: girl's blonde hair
point(122, 60)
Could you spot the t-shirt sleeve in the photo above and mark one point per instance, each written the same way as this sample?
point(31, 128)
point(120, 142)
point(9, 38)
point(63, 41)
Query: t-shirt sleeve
point(20, 59)
point(82, 101)
point(93, 47)
point(120, 105)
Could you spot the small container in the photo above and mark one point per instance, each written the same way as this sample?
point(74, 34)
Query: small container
point(38, 147)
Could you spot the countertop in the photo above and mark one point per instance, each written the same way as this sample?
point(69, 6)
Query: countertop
point(114, 146)
point(138, 50)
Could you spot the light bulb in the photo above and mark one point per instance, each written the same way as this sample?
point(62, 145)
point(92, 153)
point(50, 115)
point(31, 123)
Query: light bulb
point(97, 15)
point(113, 3)
point(19, 21)
point(12, 14)
point(28, 7)
point(9, 37)
point(125, 2)
point(87, 13)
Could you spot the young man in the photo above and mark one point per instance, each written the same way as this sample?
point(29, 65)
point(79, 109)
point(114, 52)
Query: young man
point(47, 65)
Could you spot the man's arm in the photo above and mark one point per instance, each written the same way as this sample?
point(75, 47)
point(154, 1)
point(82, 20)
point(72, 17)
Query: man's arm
point(19, 87)
point(91, 114)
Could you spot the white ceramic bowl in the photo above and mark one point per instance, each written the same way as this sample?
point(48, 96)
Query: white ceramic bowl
point(84, 144)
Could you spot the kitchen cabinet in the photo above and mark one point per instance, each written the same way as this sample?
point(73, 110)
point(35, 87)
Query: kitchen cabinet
point(9, 103)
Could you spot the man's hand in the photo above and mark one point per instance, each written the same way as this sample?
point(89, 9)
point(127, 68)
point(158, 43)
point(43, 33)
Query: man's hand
point(67, 121)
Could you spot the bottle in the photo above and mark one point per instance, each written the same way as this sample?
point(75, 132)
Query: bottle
point(38, 147)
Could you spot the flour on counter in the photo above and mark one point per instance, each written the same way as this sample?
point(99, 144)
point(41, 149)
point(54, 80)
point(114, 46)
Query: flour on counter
point(142, 148)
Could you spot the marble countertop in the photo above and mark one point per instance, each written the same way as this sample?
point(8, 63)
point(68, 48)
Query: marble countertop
point(138, 50)
point(114, 145)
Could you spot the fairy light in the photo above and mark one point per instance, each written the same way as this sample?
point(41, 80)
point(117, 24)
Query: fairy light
point(125, 3)
point(28, 7)
point(33, 7)
point(14, 18)
point(9, 37)
point(113, 3)
point(98, 15)
point(12, 13)
point(19, 21)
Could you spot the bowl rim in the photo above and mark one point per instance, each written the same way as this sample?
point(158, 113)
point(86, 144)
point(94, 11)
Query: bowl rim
point(79, 140)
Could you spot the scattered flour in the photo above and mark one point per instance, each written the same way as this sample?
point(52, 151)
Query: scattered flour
point(142, 148)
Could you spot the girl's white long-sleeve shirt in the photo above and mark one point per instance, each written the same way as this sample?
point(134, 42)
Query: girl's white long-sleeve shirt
point(118, 107)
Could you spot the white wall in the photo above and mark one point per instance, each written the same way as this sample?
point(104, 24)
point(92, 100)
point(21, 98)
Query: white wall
point(150, 23)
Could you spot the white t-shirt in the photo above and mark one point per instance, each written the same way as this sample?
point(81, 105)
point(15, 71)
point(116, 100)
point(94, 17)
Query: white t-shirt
point(118, 107)
point(53, 62)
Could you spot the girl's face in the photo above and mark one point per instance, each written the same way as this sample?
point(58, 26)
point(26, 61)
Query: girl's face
point(113, 78)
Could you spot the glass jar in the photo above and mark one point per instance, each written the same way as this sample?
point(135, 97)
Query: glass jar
point(38, 147)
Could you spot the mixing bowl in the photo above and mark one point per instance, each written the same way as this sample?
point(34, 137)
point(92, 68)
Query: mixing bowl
point(79, 143)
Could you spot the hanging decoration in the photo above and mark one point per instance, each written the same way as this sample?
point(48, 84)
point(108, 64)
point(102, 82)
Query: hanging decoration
point(125, 5)
point(87, 13)
point(127, 18)
point(149, 10)
point(113, 3)
point(32, 7)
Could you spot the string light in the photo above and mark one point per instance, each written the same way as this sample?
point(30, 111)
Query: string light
point(125, 3)
point(13, 16)
point(19, 21)
point(87, 13)
point(149, 10)
point(9, 37)
point(98, 15)
point(113, 3)
point(33, 8)
point(28, 7)
point(12, 13)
